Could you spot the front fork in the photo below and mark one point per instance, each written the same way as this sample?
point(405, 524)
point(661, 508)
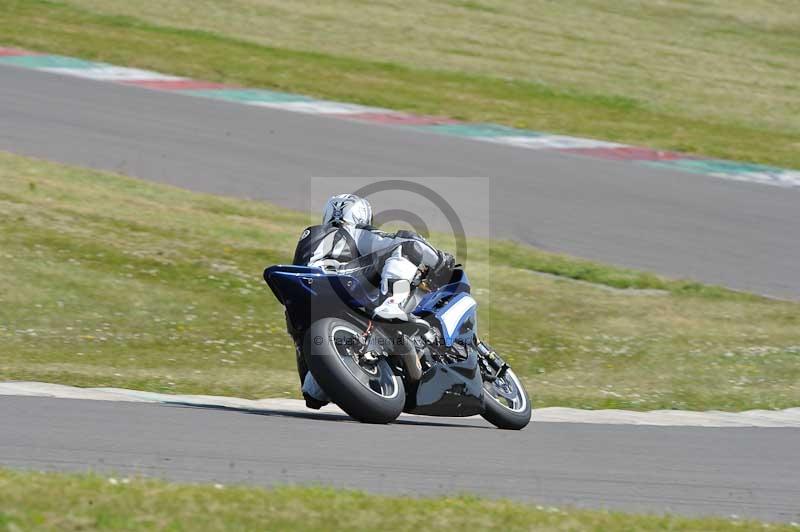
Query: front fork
point(492, 366)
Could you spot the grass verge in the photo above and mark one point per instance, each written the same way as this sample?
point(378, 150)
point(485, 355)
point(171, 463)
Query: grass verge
point(111, 281)
point(636, 82)
point(40, 501)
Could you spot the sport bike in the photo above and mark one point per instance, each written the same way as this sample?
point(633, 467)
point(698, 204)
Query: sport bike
point(434, 365)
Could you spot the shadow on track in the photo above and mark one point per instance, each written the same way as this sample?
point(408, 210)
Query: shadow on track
point(322, 416)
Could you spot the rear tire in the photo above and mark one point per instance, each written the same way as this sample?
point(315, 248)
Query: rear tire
point(370, 393)
point(502, 412)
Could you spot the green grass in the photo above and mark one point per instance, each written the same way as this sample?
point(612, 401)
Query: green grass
point(111, 281)
point(717, 78)
point(39, 501)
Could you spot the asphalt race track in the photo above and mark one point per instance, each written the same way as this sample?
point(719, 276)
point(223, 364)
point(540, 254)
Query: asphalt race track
point(693, 471)
point(742, 235)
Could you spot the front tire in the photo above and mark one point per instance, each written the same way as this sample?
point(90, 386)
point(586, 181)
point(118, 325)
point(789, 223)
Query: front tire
point(508, 405)
point(368, 392)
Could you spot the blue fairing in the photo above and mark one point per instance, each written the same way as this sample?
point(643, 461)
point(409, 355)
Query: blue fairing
point(308, 293)
point(458, 318)
point(291, 283)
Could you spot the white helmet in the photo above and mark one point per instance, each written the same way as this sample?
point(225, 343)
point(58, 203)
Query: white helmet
point(347, 208)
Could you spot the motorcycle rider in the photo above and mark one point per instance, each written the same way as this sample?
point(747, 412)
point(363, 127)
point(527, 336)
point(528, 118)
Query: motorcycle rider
point(345, 242)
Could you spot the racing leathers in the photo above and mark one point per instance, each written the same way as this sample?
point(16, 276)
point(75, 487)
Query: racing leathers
point(396, 260)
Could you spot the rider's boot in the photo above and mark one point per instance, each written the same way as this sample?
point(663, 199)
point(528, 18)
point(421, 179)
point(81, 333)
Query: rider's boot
point(396, 276)
point(314, 395)
point(313, 403)
point(393, 307)
point(396, 294)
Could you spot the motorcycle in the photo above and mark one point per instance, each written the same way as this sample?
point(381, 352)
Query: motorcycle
point(374, 369)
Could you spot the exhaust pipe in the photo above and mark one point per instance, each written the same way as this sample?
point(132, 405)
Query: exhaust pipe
point(405, 349)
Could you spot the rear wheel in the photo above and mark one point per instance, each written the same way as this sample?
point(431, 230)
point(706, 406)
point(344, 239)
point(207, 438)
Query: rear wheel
point(363, 385)
point(507, 402)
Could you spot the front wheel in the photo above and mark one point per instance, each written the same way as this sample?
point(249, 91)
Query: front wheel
point(507, 403)
point(364, 386)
